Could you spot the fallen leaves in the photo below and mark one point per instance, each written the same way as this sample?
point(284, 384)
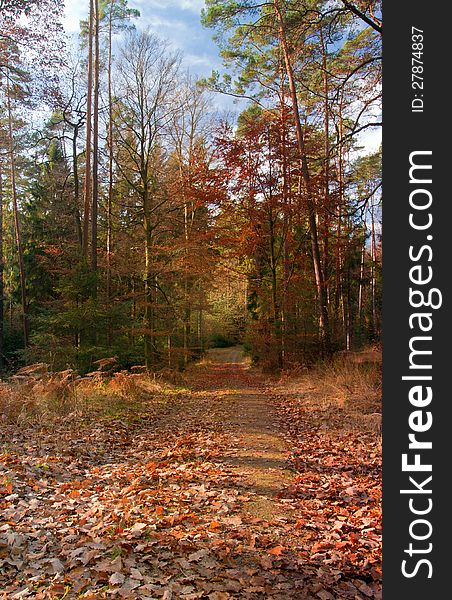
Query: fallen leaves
point(336, 491)
point(142, 509)
point(276, 551)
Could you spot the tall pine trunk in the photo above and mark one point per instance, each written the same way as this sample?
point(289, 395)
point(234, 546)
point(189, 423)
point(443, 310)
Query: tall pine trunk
point(77, 219)
point(110, 168)
point(1, 274)
point(274, 264)
point(373, 247)
point(361, 277)
point(312, 216)
point(89, 109)
point(340, 300)
point(17, 220)
point(326, 169)
point(286, 225)
point(95, 199)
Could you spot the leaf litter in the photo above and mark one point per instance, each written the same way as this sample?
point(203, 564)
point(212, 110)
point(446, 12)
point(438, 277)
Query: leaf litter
point(150, 504)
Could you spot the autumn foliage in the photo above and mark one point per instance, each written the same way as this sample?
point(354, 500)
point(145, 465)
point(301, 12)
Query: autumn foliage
point(186, 408)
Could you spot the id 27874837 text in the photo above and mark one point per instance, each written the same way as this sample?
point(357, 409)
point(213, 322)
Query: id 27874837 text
point(417, 69)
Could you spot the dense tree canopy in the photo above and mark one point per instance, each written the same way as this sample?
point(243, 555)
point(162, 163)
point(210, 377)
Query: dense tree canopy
point(137, 224)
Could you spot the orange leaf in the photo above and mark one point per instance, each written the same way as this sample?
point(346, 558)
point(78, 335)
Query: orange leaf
point(214, 525)
point(276, 551)
point(177, 533)
point(159, 510)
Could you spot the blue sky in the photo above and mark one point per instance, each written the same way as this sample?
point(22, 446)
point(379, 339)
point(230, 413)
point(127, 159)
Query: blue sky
point(178, 21)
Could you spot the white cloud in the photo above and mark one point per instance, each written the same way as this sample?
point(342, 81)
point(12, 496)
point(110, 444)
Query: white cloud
point(371, 139)
point(200, 60)
point(193, 6)
point(157, 24)
point(74, 11)
point(177, 21)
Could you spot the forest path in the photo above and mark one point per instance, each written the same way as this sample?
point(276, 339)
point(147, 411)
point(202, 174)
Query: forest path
point(134, 488)
point(246, 413)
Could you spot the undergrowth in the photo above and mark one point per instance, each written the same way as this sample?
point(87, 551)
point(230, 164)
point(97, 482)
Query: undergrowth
point(39, 397)
point(343, 391)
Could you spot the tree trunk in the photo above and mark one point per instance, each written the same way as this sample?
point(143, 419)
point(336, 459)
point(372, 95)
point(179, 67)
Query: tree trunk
point(312, 217)
point(274, 266)
point(361, 278)
point(2, 362)
point(17, 221)
point(78, 224)
point(285, 203)
point(133, 311)
point(95, 200)
point(88, 173)
point(326, 120)
point(349, 319)
point(149, 286)
point(340, 301)
point(110, 167)
point(187, 309)
point(373, 247)
point(200, 332)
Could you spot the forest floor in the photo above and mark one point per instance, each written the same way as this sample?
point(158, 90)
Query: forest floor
point(230, 484)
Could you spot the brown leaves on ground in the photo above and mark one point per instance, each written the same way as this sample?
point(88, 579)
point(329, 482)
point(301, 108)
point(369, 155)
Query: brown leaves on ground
point(336, 455)
point(132, 500)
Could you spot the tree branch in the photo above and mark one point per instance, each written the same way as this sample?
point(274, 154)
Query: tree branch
point(352, 8)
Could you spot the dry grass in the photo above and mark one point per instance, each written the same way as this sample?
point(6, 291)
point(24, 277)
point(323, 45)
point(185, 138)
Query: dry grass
point(35, 396)
point(344, 392)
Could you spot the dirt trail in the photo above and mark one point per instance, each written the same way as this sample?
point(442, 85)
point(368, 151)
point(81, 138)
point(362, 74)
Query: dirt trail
point(258, 452)
point(151, 490)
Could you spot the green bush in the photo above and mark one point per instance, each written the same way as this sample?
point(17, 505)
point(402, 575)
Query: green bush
point(218, 340)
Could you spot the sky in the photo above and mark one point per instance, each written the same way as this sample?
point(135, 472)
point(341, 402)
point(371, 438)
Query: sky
point(178, 21)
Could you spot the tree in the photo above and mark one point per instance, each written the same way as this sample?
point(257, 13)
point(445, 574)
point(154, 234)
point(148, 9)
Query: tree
point(10, 85)
point(279, 53)
point(88, 174)
point(2, 267)
point(189, 132)
point(67, 125)
point(95, 198)
point(32, 26)
point(274, 21)
point(118, 16)
point(165, 229)
point(146, 77)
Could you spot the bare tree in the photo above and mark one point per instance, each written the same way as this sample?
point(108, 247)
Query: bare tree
point(146, 79)
point(2, 268)
point(187, 126)
point(95, 192)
